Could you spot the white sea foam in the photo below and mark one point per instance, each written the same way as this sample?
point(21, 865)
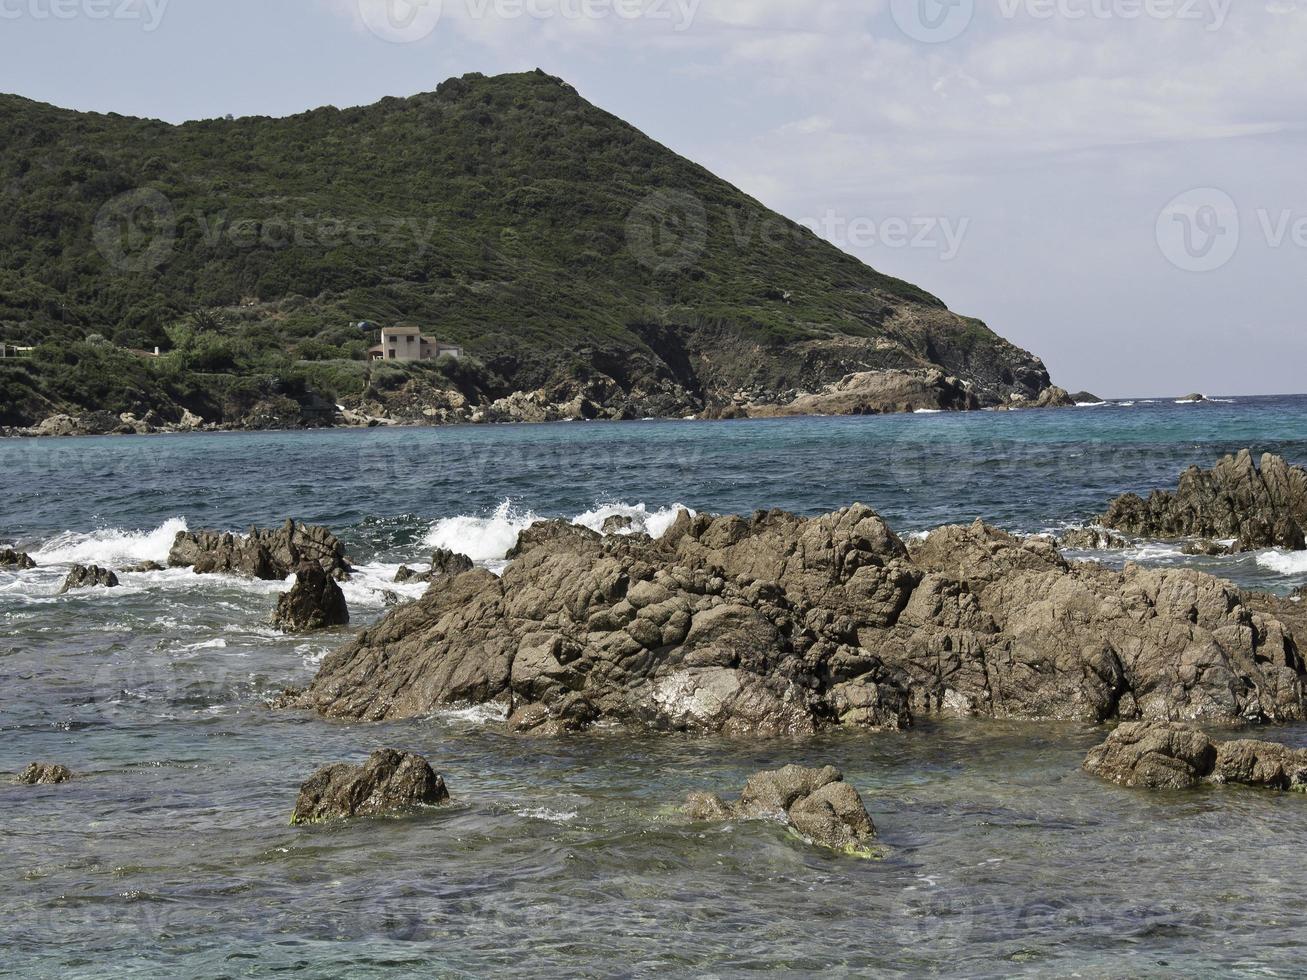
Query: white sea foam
point(487, 540)
point(1126, 404)
point(483, 539)
point(929, 411)
point(110, 546)
point(1284, 562)
point(654, 523)
point(1094, 404)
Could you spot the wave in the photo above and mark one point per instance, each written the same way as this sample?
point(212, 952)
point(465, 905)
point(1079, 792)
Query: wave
point(1284, 562)
point(488, 540)
point(654, 523)
point(1094, 404)
point(110, 547)
point(483, 539)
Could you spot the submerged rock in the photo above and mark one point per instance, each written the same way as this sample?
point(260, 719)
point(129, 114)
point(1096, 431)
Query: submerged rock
point(45, 774)
point(316, 602)
point(1173, 755)
point(88, 576)
point(389, 782)
point(9, 558)
point(145, 566)
point(263, 554)
point(1259, 506)
point(815, 802)
point(779, 625)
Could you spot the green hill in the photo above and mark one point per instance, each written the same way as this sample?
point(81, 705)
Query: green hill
point(559, 245)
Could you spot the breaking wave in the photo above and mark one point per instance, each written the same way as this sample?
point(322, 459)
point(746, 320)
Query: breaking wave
point(1284, 562)
point(111, 546)
point(487, 540)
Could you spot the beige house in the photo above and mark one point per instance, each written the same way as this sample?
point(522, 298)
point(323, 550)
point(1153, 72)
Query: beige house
point(406, 343)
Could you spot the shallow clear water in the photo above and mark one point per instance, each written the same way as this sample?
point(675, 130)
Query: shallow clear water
point(171, 854)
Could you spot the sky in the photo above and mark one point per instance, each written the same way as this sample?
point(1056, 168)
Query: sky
point(1115, 185)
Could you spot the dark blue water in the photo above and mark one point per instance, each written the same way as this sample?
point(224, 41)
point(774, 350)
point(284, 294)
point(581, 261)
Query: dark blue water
point(170, 855)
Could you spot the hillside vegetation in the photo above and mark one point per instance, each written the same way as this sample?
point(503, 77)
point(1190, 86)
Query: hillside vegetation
point(555, 242)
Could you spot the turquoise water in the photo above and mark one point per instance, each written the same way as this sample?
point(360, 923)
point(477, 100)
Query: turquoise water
point(171, 854)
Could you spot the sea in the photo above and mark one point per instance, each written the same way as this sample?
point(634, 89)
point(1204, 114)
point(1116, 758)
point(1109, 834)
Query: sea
point(171, 853)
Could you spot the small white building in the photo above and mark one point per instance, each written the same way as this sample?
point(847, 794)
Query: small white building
point(406, 343)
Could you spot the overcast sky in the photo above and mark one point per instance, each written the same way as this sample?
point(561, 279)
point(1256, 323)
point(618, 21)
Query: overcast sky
point(1117, 185)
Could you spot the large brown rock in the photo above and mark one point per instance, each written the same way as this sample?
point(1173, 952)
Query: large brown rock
point(779, 625)
point(1260, 506)
point(263, 554)
point(815, 802)
point(389, 782)
point(1171, 755)
point(314, 603)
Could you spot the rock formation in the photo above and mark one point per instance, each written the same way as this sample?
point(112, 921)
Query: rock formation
point(1086, 398)
point(263, 554)
point(44, 774)
point(1092, 539)
point(88, 576)
point(1170, 755)
point(1054, 397)
point(778, 625)
point(316, 602)
point(815, 802)
point(389, 782)
point(443, 564)
point(9, 558)
point(875, 393)
point(1260, 507)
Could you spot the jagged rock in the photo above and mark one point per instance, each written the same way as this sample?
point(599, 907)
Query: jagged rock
point(389, 782)
point(779, 625)
point(1092, 539)
point(815, 802)
point(314, 603)
point(9, 558)
point(86, 577)
point(145, 566)
point(1260, 507)
point(1054, 397)
point(44, 774)
point(1172, 755)
point(263, 554)
point(616, 524)
point(1206, 549)
point(444, 563)
point(58, 425)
